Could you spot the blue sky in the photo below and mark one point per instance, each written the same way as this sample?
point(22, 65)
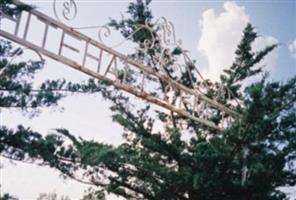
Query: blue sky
point(210, 30)
point(271, 18)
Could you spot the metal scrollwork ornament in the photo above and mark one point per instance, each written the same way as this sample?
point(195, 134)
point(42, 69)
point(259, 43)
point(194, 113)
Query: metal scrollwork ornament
point(167, 29)
point(69, 10)
point(165, 34)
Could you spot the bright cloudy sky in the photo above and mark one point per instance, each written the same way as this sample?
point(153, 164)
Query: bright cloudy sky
point(210, 30)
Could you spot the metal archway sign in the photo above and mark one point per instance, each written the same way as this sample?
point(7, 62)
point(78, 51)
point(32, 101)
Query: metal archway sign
point(108, 61)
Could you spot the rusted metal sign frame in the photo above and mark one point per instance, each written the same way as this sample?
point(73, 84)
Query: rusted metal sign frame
point(48, 21)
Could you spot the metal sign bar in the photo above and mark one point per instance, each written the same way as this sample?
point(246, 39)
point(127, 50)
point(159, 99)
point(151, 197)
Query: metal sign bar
point(109, 73)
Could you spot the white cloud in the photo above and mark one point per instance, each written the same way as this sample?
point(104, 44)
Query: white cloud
point(220, 36)
point(292, 49)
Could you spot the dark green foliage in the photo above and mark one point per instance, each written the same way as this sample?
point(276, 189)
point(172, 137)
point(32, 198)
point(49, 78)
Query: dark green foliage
point(16, 84)
point(140, 14)
point(7, 7)
point(17, 91)
point(7, 197)
point(249, 160)
point(245, 61)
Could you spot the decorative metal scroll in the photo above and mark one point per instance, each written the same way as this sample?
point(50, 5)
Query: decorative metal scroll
point(118, 69)
point(68, 10)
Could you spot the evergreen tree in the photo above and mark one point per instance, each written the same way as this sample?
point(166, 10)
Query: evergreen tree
point(249, 160)
point(18, 94)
